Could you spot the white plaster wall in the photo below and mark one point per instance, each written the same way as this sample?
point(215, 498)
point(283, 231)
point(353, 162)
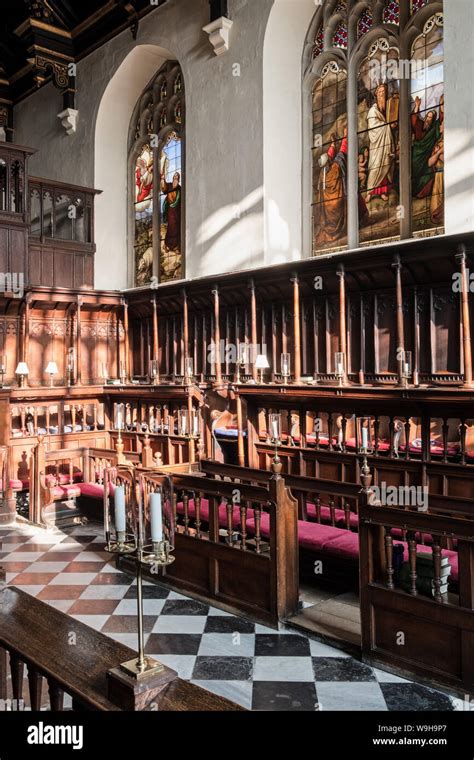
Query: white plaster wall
point(224, 162)
point(459, 115)
point(282, 128)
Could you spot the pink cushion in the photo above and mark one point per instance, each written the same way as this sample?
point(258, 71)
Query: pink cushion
point(65, 492)
point(204, 512)
point(383, 444)
point(94, 490)
point(453, 558)
point(326, 519)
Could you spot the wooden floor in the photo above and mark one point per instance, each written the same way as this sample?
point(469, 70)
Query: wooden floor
point(330, 615)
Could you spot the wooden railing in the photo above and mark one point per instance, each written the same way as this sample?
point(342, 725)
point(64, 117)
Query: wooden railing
point(38, 637)
point(417, 603)
point(221, 554)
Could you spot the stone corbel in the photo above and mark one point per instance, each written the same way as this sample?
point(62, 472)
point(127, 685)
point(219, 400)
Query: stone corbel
point(68, 119)
point(219, 34)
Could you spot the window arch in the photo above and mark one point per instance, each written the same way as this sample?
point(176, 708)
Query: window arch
point(378, 160)
point(156, 158)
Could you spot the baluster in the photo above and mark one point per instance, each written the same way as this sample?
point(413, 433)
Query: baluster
point(407, 438)
point(330, 431)
point(186, 512)
point(197, 504)
point(71, 472)
point(391, 428)
point(56, 696)
point(174, 502)
point(17, 669)
point(462, 434)
point(437, 569)
point(389, 558)
point(317, 430)
point(165, 421)
point(257, 513)
point(344, 426)
point(347, 514)
point(332, 510)
point(243, 526)
point(376, 434)
point(35, 419)
point(95, 412)
point(48, 419)
point(445, 440)
point(73, 417)
point(23, 420)
point(318, 507)
point(35, 683)
point(412, 560)
point(229, 511)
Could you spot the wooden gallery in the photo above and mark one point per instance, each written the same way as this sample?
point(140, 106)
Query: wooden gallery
point(236, 397)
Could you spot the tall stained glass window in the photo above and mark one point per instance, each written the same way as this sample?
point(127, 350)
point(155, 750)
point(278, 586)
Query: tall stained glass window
point(378, 144)
point(364, 24)
point(416, 5)
point(427, 129)
point(156, 149)
point(330, 159)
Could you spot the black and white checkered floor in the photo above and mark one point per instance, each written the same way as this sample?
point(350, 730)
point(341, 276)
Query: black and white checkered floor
point(250, 664)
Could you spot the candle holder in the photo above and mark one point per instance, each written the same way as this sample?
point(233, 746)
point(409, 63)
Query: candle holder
point(275, 428)
point(188, 371)
point(154, 373)
point(285, 367)
point(3, 368)
point(339, 364)
point(130, 675)
point(407, 367)
point(183, 427)
point(365, 435)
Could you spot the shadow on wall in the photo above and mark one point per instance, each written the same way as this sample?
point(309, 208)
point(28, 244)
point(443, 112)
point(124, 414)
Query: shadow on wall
point(459, 180)
point(231, 238)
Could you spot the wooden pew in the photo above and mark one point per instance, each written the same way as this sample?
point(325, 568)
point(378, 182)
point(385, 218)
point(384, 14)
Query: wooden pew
point(37, 637)
point(220, 554)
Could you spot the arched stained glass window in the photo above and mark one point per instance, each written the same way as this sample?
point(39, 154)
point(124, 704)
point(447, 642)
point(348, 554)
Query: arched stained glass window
point(427, 126)
point(391, 12)
point(383, 180)
point(318, 42)
point(364, 24)
point(330, 159)
point(156, 148)
point(340, 36)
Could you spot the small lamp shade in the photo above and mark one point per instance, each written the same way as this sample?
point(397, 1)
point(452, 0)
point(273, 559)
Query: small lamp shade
point(261, 362)
point(22, 369)
point(52, 368)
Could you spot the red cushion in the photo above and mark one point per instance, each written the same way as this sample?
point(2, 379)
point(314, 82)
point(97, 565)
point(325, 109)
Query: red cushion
point(344, 544)
point(326, 518)
point(94, 490)
point(65, 492)
point(453, 558)
point(383, 444)
point(204, 512)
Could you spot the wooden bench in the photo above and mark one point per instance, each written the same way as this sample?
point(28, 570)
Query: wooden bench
point(38, 636)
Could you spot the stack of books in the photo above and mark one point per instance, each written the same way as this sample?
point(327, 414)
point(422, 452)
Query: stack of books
point(425, 574)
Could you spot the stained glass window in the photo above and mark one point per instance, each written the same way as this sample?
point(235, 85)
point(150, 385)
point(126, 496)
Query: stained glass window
point(340, 36)
point(144, 216)
point(379, 147)
point(318, 42)
point(427, 128)
point(156, 146)
point(330, 160)
point(417, 4)
point(170, 209)
point(391, 12)
point(364, 24)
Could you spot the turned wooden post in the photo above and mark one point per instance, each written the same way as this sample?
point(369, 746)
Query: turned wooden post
point(126, 339)
point(240, 439)
point(466, 322)
point(416, 360)
point(342, 318)
point(217, 335)
point(185, 331)
point(78, 342)
point(397, 266)
point(253, 328)
point(296, 327)
point(155, 336)
point(362, 341)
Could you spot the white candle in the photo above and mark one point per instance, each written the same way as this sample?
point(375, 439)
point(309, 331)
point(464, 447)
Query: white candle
point(406, 368)
point(119, 505)
point(195, 425)
point(119, 420)
point(156, 518)
point(365, 438)
point(275, 428)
